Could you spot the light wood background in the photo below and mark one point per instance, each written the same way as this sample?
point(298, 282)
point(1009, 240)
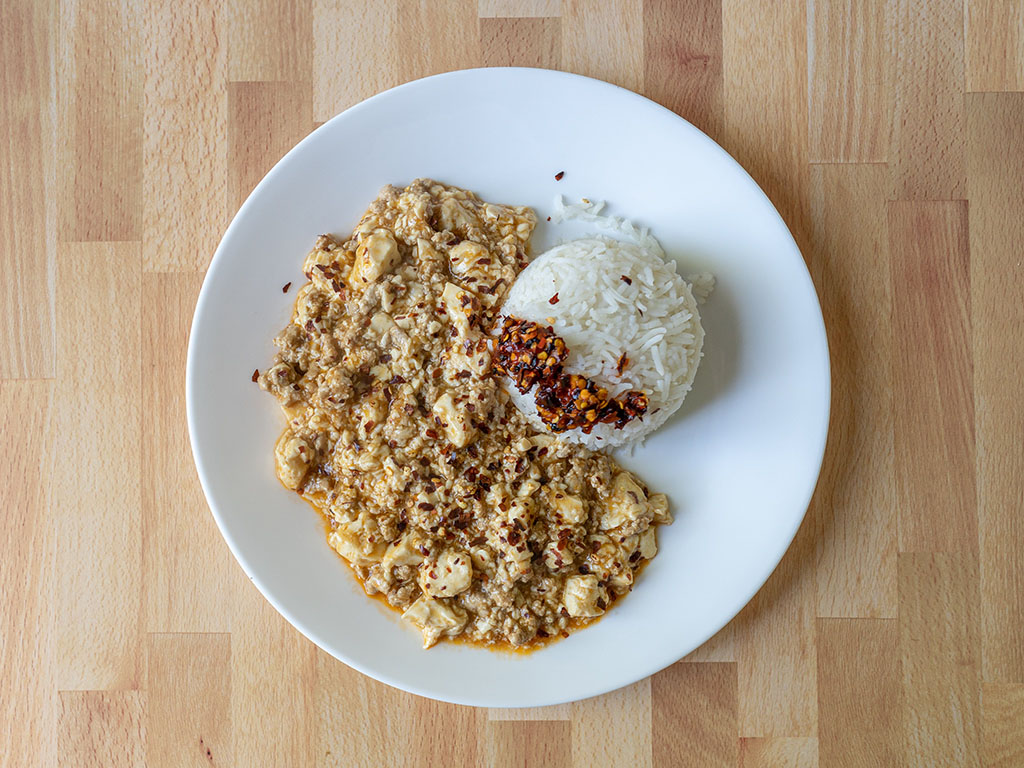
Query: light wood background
point(889, 133)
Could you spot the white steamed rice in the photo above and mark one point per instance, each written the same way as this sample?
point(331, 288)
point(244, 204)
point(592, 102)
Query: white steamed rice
point(654, 320)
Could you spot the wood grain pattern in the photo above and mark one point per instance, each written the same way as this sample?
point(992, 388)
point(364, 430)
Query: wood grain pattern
point(997, 303)
point(683, 59)
point(268, 40)
point(267, 119)
point(429, 732)
point(553, 712)
point(887, 133)
point(453, 41)
point(525, 744)
point(101, 728)
point(188, 704)
point(694, 715)
point(776, 651)
point(764, 47)
point(856, 503)
point(614, 729)
point(1002, 718)
point(521, 42)
point(604, 40)
point(27, 725)
point(779, 753)
point(941, 657)
point(276, 701)
point(995, 45)
point(339, 78)
point(94, 438)
point(518, 9)
point(184, 135)
point(849, 70)
point(185, 563)
point(28, 190)
point(860, 694)
point(934, 438)
point(100, 114)
point(928, 112)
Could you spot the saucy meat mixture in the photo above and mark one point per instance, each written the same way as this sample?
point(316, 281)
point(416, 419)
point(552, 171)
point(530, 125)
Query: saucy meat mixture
point(437, 492)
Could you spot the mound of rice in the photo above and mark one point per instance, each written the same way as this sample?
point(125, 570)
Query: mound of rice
point(651, 316)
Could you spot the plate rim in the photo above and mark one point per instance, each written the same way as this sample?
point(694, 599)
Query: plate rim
point(381, 675)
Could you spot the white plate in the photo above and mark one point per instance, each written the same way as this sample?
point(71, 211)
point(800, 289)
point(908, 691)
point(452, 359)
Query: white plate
point(739, 461)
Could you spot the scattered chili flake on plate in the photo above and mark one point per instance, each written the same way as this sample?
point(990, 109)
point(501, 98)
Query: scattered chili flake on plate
point(553, 299)
point(559, 175)
point(256, 375)
point(286, 287)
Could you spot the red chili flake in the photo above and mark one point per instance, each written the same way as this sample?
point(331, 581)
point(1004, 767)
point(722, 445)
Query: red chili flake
point(620, 366)
point(549, 218)
point(256, 375)
point(370, 425)
point(553, 299)
point(286, 287)
point(476, 542)
point(432, 434)
point(425, 505)
point(625, 279)
point(559, 175)
point(542, 633)
point(530, 354)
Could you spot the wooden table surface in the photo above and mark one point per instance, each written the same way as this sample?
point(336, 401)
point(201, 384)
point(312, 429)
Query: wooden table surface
point(889, 134)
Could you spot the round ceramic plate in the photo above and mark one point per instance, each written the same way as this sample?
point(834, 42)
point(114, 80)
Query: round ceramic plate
point(739, 461)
